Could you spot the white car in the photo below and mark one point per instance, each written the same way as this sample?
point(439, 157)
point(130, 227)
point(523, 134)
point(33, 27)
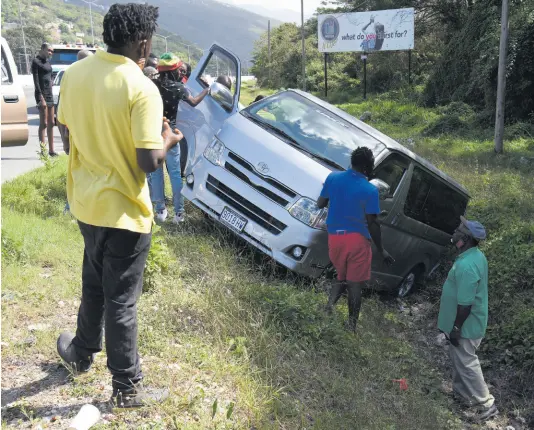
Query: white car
point(55, 91)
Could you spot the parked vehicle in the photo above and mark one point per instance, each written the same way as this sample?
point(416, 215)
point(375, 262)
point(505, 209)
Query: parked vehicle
point(66, 54)
point(259, 171)
point(14, 106)
point(55, 92)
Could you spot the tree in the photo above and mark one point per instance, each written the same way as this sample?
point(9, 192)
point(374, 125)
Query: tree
point(64, 28)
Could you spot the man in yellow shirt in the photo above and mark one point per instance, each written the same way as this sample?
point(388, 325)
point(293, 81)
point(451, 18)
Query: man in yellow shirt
point(113, 115)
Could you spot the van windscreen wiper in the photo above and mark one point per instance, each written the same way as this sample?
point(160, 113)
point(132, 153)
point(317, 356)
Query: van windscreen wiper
point(327, 161)
point(268, 126)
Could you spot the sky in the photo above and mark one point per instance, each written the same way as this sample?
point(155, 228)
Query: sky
point(309, 5)
point(284, 10)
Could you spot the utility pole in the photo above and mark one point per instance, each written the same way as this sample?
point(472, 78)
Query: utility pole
point(91, 14)
point(165, 38)
point(501, 82)
point(303, 46)
point(24, 41)
point(269, 47)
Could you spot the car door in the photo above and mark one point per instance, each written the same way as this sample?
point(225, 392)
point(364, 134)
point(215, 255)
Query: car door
point(395, 171)
point(14, 107)
point(200, 124)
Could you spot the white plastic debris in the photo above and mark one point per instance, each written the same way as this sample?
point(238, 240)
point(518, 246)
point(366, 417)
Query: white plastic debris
point(86, 418)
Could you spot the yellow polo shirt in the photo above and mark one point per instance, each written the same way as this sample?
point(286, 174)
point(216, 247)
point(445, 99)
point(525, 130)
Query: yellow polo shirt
point(110, 108)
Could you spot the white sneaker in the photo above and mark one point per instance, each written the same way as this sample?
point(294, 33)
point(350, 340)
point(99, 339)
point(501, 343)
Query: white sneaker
point(161, 215)
point(179, 218)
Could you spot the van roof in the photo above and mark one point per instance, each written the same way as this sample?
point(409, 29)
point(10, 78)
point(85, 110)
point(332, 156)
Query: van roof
point(386, 140)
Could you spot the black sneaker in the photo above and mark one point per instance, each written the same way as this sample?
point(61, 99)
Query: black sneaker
point(53, 154)
point(137, 396)
point(67, 352)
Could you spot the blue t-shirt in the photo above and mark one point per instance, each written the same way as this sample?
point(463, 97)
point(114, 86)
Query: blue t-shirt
point(351, 196)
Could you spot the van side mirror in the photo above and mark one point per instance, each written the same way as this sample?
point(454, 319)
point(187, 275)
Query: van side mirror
point(383, 188)
point(222, 95)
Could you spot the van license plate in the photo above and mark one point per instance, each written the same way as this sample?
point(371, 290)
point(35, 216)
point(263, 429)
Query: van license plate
point(233, 220)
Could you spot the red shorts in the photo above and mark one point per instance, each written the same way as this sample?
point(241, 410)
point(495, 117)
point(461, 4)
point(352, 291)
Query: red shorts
point(351, 256)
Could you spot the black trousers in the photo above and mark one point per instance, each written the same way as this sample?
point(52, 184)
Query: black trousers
point(112, 281)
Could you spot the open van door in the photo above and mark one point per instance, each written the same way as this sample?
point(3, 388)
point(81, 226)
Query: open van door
point(200, 124)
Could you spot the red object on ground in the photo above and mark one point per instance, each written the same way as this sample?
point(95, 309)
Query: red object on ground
point(403, 383)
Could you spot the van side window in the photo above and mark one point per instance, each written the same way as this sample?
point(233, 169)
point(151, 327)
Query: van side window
point(433, 202)
point(6, 73)
point(220, 66)
point(391, 171)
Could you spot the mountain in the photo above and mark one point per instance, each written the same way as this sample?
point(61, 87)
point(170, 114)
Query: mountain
point(58, 21)
point(284, 15)
point(207, 21)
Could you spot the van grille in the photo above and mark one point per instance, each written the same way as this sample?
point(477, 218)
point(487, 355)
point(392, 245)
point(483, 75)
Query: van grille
point(273, 196)
point(259, 216)
point(250, 168)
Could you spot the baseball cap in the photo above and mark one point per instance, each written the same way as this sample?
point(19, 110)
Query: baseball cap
point(476, 229)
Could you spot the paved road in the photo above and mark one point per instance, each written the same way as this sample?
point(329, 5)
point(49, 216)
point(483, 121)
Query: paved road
point(19, 160)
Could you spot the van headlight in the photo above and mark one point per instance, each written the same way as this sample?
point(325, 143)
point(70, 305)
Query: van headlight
point(306, 211)
point(214, 152)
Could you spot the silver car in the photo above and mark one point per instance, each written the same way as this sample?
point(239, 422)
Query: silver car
point(259, 171)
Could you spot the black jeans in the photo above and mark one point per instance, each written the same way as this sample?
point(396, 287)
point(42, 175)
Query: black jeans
point(112, 277)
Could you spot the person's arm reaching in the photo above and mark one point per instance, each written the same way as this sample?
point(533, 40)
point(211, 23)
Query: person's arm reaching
point(194, 101)
point(324, 198)
point(372, 209)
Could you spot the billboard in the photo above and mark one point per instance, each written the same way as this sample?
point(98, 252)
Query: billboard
point(382, 30)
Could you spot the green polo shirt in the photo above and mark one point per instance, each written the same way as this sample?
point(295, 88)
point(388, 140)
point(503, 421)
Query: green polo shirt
point(466, 284)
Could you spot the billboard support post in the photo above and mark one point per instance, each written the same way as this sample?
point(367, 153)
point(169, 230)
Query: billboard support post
point(364, 76)
point(410, 67)
point(325, 74)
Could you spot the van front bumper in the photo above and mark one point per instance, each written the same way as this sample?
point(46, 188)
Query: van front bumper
point(270, 227)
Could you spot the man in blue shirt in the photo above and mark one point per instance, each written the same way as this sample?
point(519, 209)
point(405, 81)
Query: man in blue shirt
point(351, 223)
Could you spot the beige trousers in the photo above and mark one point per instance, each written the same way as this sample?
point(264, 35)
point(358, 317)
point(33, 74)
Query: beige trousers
point(467, 378)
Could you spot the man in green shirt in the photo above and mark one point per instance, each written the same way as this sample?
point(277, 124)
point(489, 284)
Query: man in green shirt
point(463, 317)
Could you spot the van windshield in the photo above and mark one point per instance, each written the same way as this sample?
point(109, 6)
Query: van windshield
point(314, 129)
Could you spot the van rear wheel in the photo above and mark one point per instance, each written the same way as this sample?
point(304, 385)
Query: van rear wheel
point(410, 282)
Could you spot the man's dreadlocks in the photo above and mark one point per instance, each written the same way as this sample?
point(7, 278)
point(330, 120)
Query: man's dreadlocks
point(363, 160)
point(127, 23)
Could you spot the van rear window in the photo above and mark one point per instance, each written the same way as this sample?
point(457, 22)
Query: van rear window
point(434, 203)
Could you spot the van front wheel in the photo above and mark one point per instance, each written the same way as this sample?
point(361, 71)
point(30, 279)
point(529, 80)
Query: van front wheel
point(410, 282)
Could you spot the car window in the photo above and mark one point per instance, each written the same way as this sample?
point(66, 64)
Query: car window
point(314, 128)
point(391, 171)
point(7, 77)
point(220, 65)
point(433, 202)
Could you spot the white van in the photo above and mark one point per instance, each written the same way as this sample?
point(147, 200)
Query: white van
point(259, 171)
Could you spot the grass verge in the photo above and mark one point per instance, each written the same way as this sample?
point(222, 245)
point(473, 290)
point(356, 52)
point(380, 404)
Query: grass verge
point(239, 345)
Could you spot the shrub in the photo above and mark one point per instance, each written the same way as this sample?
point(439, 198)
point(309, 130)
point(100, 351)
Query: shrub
point(446, 124)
